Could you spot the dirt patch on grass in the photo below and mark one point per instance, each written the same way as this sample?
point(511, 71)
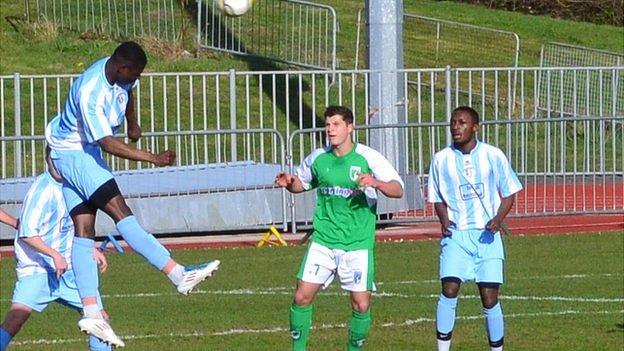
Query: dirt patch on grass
point(167, 50)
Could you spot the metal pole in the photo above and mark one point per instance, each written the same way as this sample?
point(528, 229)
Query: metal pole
point(17, 112)
point(233, 151)
point(385, 91)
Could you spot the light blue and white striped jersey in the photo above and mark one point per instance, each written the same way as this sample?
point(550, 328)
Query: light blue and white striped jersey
point(43, 214)
point(94, 109)
point(471, 185)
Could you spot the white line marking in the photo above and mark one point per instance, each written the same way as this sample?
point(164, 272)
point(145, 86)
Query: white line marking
point(240, 331)
point(378, 294)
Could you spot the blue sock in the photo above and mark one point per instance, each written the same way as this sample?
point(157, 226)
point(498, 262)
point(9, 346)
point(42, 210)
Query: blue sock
point(5, 339)
point(445, 314)
point(494, 322)
point(143, 242)
point(96, 344)
point(85, 267)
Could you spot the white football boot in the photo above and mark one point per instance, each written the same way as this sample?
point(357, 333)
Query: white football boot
point(194, 275)
point(100, 328)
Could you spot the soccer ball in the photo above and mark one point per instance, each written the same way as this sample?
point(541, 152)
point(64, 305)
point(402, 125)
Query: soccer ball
point(233, 8)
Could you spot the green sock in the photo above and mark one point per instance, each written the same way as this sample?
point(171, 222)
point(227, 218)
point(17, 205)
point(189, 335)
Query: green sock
point(358, 329)
point(300, 323)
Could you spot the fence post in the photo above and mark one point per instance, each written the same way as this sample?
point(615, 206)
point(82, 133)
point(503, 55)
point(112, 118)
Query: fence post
point(448, 100)
point(17, 150)
point(233, 150)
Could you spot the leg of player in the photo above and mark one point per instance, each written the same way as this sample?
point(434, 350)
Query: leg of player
point(445, 313)
point(301, 314)
point(16, 317)
point(361, 319)
point(86, 276)
point(493, 313)
point(109, 199)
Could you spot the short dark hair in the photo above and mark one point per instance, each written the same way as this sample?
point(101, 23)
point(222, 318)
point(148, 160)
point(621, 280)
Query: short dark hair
point(345, 112)
point(131, 53)
point(469, 110)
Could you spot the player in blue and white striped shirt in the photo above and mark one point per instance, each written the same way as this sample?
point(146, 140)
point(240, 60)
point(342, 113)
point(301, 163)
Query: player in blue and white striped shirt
point(472, 187)
point(43, 257)
point(98, 102)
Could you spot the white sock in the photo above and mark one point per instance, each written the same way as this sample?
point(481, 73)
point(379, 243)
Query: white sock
point(444, 345)
point(176, 275)
point(92, 311)
point(499, 348)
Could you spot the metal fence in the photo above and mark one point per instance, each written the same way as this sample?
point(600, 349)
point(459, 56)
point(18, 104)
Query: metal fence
point(580, 92)
point(569, 164)
point(162, 19)
point(435, 42)
point(296, 32)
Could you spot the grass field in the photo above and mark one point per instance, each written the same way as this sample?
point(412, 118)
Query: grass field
point(563, 292)
point(65, 52)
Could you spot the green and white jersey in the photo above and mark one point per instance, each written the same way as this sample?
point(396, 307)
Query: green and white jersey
point(345, 214)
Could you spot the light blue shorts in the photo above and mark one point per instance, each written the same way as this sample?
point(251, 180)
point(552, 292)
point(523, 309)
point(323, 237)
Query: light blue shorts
point(37, 291)
point(472, 255)
point(83, 171)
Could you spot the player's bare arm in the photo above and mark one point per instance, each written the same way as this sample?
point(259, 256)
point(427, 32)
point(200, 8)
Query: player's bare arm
point(494, 225)
point(60, 264)
point(445, 222)
point(290, 182)
point(134, 130)
point(8, 219)
point(392, 189)
point(121, 149)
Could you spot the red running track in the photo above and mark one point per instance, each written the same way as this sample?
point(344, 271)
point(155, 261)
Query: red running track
point(543, 199)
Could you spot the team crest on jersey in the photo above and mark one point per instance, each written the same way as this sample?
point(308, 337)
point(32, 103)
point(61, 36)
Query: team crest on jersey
point(121, 98)
point(354, 172)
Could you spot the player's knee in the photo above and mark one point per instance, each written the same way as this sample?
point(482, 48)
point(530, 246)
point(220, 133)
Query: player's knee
point(302, 299)
point(489, 294)
point(109, 199)
point(360, 306)
point(450, 287)
point(489, 302)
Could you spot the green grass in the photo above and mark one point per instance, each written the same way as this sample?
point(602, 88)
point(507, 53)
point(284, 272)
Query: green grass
point(67, 53)
point(245, 306)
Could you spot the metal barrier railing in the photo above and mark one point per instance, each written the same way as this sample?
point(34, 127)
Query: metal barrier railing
point(243, 182)
point(160, 19)
point(296, 32)
point(552, 147)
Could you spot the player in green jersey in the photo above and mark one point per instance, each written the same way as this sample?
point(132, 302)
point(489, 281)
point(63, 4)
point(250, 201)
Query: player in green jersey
point(346, 177)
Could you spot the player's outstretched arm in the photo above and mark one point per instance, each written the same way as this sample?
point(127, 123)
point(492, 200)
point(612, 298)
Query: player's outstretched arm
point(290, 182)
point(494, 225)
point(8, 219)
point(60, 264)
point(123, 150)
point(392, 189)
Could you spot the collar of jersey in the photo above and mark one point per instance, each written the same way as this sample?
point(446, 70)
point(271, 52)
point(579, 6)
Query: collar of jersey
point(458, 151)
point(354, 146)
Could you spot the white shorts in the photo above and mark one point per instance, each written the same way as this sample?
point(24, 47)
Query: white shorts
point(355, 269)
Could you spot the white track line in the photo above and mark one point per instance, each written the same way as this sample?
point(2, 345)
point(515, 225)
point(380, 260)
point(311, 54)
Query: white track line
point(239, 331)
point(378, 294)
